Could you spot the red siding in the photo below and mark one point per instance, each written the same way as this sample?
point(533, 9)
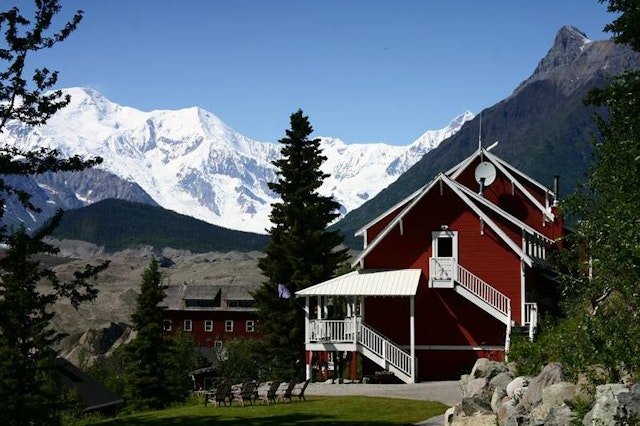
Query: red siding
point(480, 250)
point(508, 197)
point(376, 228)
point(208, 338)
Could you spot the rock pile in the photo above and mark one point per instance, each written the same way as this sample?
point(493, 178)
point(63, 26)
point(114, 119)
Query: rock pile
point(493, 395)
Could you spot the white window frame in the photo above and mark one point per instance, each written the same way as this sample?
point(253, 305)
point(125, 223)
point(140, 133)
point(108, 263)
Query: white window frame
point(250, 326)
point(208, 326)
point(166, 325)
point(435, 235)
point(228, 326)
point(188, 325)
point(217, 344)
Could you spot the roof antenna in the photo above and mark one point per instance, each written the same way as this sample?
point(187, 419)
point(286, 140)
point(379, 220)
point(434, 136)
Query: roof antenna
point(480, 133)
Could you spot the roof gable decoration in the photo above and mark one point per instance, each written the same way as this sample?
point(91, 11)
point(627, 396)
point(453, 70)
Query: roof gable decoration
point(509, 171)
point(502, 166)
point(515, 221)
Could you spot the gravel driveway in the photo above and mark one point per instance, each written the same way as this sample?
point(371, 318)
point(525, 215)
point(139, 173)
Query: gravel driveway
point(446, 392)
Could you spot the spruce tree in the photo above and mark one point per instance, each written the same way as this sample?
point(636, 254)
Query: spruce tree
point(154, 378)
point(301, 251)
point(29, 388)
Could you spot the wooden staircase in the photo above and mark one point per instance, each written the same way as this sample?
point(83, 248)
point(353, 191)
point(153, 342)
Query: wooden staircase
point(339, 335)
point(446, 273)
point(386, 354)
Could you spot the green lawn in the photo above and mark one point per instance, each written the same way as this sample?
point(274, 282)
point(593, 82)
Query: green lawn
point(317, 410)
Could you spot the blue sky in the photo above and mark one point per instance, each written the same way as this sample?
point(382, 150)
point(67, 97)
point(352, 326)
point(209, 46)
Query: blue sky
point(363, 71)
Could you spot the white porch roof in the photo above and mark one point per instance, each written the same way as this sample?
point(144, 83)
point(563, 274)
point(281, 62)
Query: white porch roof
point(399, 282)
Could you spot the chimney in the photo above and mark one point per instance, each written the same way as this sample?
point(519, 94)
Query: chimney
point(556, 189)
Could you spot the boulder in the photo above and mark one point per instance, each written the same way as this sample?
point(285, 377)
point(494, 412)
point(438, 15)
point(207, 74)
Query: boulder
point(508, 410)
point(630, 402)
point(487, 369)
point(475, 388)
point(550, 374)
point(499, 385)
point(517, 387)
point(606, 408)
point(475, 406)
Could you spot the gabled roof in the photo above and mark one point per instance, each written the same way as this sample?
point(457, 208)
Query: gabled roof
point(93, 395)
point(465, 197)
point(401, 282)
point(510, 172)
point(457, 170)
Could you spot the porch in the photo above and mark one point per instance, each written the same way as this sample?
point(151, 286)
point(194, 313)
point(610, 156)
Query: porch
point(329, 330)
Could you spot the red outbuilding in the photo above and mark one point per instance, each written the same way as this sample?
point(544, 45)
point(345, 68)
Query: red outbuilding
point(444, 276)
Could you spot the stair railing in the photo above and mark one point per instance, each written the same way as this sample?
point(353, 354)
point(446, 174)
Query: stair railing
point(385, 349)
point(484, 291)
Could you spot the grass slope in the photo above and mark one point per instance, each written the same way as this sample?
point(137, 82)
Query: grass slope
point(317, 410)
point(119, 224)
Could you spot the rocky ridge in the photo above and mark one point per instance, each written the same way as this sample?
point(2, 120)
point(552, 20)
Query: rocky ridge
point(97, 327)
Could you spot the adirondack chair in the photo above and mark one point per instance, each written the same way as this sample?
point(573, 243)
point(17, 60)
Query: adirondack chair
point(246, 393)
point(299, 392)
point(271, 393)
point(286, 394)
point(219, 395)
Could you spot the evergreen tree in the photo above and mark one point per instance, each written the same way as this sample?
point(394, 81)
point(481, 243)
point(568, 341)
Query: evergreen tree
point(29, 389)
point(301, 251)
point(154, 378)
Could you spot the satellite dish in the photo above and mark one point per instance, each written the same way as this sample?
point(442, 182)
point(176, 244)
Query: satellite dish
point(485, 173)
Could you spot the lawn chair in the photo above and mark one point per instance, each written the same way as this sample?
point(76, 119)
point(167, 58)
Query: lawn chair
point(247, 393)
point(271, 393)
point(219, 395)
point(299, 392)
point(287, 392)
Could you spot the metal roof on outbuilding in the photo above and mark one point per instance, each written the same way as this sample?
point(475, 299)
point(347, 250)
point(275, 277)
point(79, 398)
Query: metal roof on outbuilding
point(399, 282)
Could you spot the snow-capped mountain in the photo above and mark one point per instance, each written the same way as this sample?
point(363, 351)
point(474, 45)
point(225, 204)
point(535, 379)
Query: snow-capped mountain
point(190, 162)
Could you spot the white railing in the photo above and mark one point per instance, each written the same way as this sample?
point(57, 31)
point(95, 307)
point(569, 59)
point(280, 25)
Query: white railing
point(534, 245)
point(442, 268)
point(341, 331)
point(331, 330)
point(385, 349)
point(531, 318)
point(484, 291)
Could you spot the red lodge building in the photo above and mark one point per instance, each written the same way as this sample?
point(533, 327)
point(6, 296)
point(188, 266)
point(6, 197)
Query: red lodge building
point(212, 314)
point(444, 276)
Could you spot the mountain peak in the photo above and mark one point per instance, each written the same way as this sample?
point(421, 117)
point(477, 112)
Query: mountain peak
point(567, 46)
point(574, 61)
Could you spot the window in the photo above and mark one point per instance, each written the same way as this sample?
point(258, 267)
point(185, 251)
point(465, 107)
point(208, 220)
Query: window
point(228, 326)
point(217, 344)
point(166, 324)
point(187, 325)
point(208, 325)
point(445, 244)
point(250, 326)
